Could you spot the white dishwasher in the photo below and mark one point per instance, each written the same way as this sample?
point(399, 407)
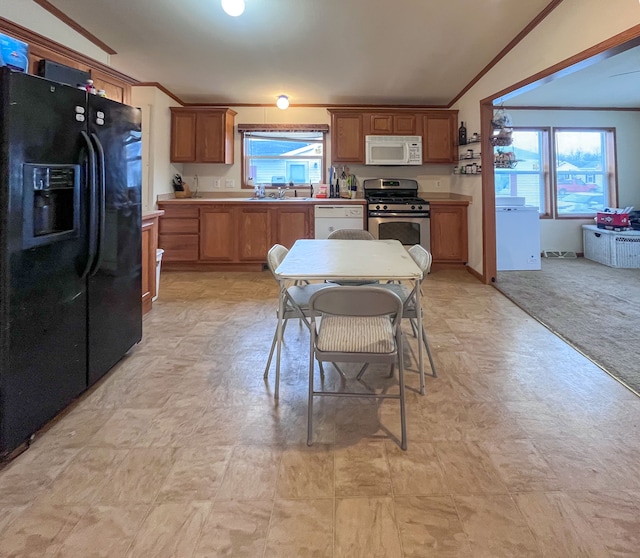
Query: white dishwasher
point(329, 218)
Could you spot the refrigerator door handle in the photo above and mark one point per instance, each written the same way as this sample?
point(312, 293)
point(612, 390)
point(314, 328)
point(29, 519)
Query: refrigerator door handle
point(101, 175)
point(91, 171)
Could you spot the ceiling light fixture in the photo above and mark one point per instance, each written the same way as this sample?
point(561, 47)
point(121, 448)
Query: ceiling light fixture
point(282, 102)
point(233, 7)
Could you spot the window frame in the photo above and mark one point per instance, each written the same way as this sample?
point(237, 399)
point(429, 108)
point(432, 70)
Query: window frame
point(545, 210)
point(611, 171)
point(254, 128)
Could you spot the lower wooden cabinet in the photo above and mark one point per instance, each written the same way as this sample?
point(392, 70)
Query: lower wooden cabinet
point(217, 237)
point(449, 233)
point(232, 235)
point(149, 247)
point(254, 232)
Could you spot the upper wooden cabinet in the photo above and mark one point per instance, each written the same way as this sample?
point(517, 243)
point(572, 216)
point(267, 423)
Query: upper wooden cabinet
point(401, 124)
point(116, 84)
point(349, 127)
point(347, 138)
point(439, 130)
point(202, 135)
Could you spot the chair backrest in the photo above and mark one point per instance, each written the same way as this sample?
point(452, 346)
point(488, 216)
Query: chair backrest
point(356, 301)
point(275, 256)
point(351, 234)
point(422, 258)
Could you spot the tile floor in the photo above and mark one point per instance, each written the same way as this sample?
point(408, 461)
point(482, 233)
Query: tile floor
point(521, 447)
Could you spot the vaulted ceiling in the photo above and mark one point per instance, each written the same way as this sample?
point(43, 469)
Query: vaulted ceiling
point(324, 52)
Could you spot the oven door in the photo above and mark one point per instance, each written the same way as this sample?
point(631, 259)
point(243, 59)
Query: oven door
point(408, 230)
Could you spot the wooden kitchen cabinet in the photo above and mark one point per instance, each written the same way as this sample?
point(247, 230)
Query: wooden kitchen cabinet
point(439, 129)
point(149, 247)
point(217, 233)
point(116, 84)
point(347, 137)
point(292, 223)
point(202, 135)
point(179, 233)
point(400, 124)
point(449, 233)
point(253, 229)
point(229, 235)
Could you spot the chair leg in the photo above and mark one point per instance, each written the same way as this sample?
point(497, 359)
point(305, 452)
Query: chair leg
point(403, 419)
point(342, 374)
point(310, 403)
point(362, 371)
point(432, 364)
point(273, 348)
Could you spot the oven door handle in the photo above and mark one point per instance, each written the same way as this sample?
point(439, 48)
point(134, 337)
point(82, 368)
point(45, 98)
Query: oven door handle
point(422, 215)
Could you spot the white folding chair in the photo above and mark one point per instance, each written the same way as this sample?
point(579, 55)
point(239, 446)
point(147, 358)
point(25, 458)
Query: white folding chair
point(423, 260)
point(357, 324)
point(296, 303)
point(350, 234)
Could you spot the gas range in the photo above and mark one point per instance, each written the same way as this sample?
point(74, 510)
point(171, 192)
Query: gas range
point(394, 197)
point(395, 212)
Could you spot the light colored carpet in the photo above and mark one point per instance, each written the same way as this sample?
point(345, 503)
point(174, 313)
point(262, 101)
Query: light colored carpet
point(594, 307)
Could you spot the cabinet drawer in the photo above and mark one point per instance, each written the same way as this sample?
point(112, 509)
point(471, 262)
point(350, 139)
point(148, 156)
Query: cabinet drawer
point(173, 211)
point(179, 247)
point(179, 226)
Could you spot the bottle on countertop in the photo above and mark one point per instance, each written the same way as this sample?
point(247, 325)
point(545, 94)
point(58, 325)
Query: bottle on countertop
point(462, 134)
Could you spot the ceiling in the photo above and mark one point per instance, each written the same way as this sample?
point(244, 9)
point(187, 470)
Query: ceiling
point(612, 82)
point(324, 52)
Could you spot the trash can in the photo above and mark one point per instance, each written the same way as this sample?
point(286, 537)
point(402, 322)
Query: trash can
point(159, 253)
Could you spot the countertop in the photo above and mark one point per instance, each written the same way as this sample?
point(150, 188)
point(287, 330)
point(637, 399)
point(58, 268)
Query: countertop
point(220, 197)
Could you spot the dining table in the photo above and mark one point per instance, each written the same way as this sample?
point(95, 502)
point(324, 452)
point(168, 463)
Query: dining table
point(347, 260)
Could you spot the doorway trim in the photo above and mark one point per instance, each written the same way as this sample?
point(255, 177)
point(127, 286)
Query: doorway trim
point(601, 51)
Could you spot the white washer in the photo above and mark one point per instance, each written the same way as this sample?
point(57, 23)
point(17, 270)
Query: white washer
point(517, 235)
point(329, 218)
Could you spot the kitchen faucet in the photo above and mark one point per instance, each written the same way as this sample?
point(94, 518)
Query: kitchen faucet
point(281, 193)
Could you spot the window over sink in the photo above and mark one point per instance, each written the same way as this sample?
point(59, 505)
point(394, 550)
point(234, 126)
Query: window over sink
point(280, 155)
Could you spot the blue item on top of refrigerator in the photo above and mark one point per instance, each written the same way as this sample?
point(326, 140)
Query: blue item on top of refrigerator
point(14, 53)
point(70, 246)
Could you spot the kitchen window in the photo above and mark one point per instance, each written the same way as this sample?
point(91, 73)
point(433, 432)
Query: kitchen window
point(585, 177)
point(281, 155)
point(522, 169)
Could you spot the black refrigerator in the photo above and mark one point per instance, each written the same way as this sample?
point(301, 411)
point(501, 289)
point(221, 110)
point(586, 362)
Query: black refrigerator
point(70, 246)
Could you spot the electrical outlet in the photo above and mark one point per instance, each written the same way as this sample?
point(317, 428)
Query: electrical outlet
point(216, 183)
point(228, 183)
point(437, 185)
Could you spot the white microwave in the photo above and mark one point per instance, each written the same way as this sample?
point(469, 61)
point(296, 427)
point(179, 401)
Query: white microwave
point(393, 150)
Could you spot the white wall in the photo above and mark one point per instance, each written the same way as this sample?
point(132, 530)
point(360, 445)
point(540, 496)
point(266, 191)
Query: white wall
point(574, 26)
point(431, 178)
point(157, 169)
point(33, 17)
point(566, 234)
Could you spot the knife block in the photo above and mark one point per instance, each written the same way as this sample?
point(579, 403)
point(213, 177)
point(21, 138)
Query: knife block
point(186, 192)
